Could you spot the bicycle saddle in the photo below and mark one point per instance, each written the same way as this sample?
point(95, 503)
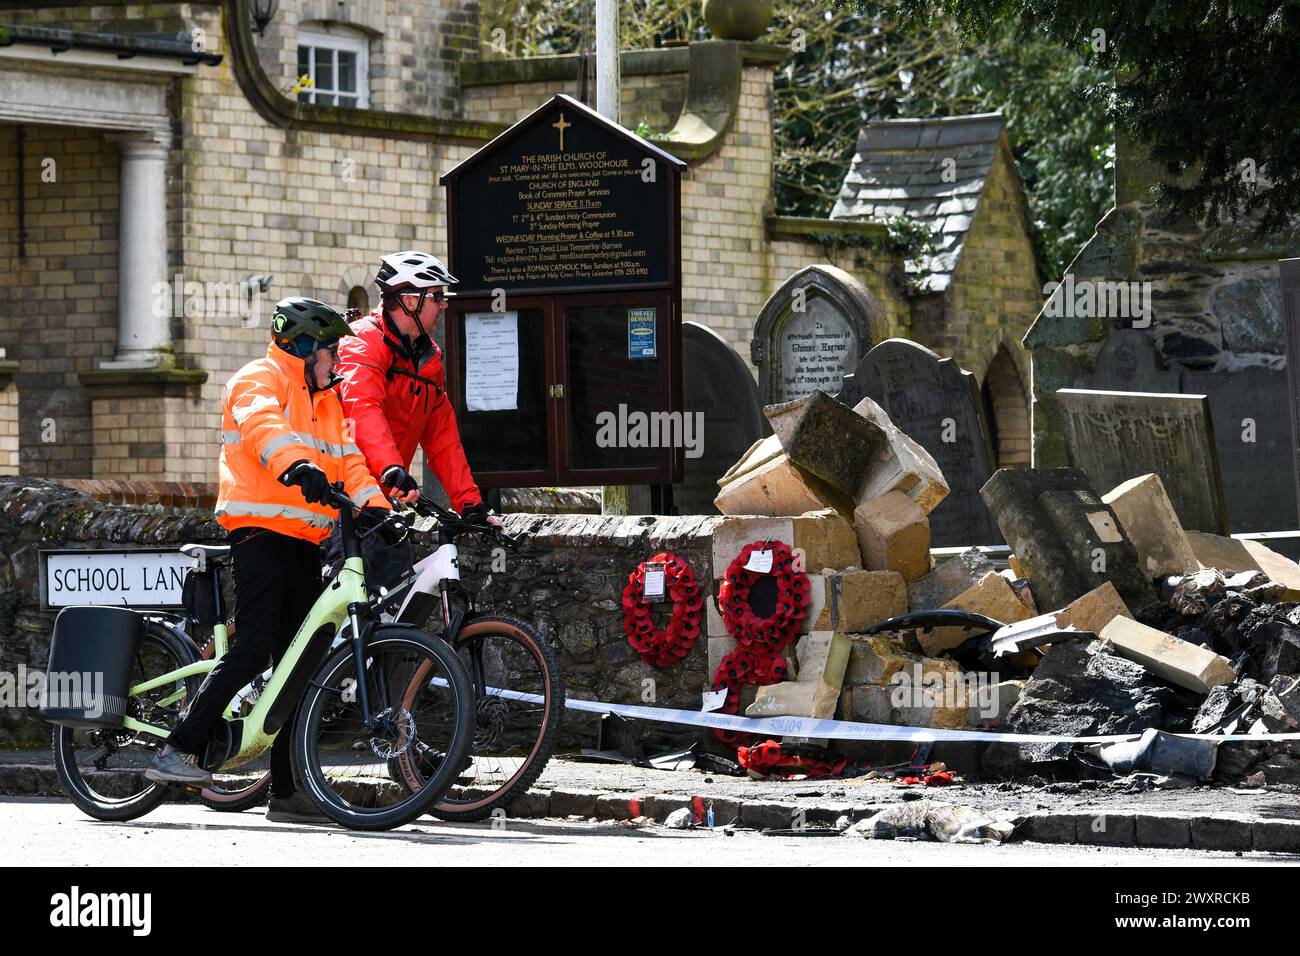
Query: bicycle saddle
point(215, 553)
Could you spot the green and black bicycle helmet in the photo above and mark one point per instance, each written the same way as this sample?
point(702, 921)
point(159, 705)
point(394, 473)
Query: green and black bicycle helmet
point(301, 325)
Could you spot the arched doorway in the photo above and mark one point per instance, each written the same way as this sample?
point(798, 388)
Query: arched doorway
point(359, 298)
point(1007, 406)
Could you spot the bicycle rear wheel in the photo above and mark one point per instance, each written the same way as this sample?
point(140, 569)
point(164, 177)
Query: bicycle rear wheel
point(102, 770)
point(519, 700)
point(419, 692)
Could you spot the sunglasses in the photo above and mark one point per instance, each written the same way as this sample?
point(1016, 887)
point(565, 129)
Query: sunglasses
point(413, 298)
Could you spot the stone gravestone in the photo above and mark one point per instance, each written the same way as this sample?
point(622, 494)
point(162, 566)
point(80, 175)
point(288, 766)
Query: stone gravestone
point(1290, 272)
point(1115, 436)
point(1128, 362)
point(716, 383)
point(812, 331)
point(1252, 433)
point(936, 404)
point(1249, 407)
point(1065, 538)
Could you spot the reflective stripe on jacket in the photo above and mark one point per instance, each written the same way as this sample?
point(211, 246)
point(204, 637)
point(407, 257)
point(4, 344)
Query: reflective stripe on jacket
point(269, 420)
point(397, 408)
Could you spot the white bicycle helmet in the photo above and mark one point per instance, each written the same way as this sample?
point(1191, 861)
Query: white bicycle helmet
point(412, 270)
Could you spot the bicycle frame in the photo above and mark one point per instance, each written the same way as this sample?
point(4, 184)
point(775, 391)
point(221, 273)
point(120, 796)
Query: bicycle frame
point(344, 599)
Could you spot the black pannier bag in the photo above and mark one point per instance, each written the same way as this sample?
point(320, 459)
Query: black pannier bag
point(197, 596)
point(91, 655)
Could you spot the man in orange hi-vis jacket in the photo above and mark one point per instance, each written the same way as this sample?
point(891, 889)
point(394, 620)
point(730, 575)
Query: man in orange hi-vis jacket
point(282, 445)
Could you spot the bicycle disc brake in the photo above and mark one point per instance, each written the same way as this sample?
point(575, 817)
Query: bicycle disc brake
point(398, 730)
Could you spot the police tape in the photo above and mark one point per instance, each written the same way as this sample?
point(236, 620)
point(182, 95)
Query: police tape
point(848, 729)
point(852, 730)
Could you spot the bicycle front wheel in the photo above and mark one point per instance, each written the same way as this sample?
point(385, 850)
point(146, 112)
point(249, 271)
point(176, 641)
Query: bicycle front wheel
point(418, 692)
point(519, 699)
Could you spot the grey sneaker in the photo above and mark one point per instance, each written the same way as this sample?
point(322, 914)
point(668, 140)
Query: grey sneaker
point(177, 767)
point(297, 808)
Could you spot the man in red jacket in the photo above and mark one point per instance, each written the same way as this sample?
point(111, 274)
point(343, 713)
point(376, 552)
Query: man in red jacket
point(393, 383)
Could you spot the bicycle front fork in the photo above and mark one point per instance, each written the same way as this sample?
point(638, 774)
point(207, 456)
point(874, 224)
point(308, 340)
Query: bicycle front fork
point(372, 723)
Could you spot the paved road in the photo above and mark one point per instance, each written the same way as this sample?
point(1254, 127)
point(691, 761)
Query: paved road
point(42, 831)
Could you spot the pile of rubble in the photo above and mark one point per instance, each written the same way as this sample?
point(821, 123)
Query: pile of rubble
point(1111, 619)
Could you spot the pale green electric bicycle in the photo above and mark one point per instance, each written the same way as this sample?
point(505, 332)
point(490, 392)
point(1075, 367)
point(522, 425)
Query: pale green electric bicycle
point(360, 707)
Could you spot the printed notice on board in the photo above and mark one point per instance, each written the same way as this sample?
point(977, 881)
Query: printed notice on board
point(641, 333)
point(491, 361)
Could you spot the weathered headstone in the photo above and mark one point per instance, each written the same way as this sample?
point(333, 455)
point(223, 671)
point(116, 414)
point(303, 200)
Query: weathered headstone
point(1251, 431)
point(1290, 271)
point(1115, 436)
point(936, 404)
point(812, 331)
point(716, 383)
point(1065, 538)
point(1129, 362)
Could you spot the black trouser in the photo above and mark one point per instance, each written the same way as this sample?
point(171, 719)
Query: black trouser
point(277, 580)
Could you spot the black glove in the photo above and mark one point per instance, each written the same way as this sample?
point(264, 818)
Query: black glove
point(476, 513)
point(390, 526)
point(315, 484)
point(398, 479)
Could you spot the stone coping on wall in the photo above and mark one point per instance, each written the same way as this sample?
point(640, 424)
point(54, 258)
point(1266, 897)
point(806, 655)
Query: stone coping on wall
point(52, 510)
point(167, 494)
point(656, 532)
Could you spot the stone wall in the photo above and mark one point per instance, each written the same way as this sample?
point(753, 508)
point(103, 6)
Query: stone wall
point(36, 514)
point(567, 579)
point(1215, 328)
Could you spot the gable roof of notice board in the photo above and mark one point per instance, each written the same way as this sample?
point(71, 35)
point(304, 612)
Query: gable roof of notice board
point(541, 113)
point(898, 170)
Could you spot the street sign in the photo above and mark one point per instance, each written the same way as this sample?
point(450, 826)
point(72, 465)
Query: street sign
point(141, 578)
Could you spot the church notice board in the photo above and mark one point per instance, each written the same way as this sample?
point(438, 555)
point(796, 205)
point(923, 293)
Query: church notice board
point(564, 339)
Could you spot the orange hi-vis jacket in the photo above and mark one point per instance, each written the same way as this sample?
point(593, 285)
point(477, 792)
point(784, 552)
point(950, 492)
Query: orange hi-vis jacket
point(269, 420)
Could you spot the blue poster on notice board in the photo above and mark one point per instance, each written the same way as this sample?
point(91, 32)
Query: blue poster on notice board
point(641, 333)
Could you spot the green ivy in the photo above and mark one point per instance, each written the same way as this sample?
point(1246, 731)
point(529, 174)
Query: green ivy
point(909, 239)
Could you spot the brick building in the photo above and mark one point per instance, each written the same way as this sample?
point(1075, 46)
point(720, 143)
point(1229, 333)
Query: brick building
point(164, 146)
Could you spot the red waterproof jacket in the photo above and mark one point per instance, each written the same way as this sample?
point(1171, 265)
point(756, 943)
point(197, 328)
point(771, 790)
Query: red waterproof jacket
point(396, 407)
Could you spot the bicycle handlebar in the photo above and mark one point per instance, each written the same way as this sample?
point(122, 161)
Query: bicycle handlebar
point(452, 522)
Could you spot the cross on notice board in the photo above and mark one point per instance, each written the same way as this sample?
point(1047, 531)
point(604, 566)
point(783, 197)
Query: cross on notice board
point(561, 126)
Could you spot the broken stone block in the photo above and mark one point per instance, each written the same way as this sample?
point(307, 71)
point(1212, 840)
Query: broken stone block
point(949, 579)
point(827, 439)
point(991, 596)
point(825, 539)
point(875, 660)
point(795, 699)
point(893, 535)
point(1022, 588)
point(1067, 541)
point(777, 487)
point(1197, 593)
point(1282, 654)
point(1177, 661)
point(822, 657)
point(900, 464)
point(882, 704)
point(1274, 714)
point(993, 702)
point(1093, 611)
point(1149, 520)
point(1286, 688)
point(1079, 690)
point(1232, 554)
point(854, 600)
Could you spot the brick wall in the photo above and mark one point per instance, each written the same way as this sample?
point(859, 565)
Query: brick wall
point(60, 302)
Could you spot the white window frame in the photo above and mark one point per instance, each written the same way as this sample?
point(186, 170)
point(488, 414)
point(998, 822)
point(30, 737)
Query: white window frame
point(335, 40)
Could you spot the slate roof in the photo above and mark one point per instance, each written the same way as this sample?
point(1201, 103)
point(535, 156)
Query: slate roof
point(898, 169)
